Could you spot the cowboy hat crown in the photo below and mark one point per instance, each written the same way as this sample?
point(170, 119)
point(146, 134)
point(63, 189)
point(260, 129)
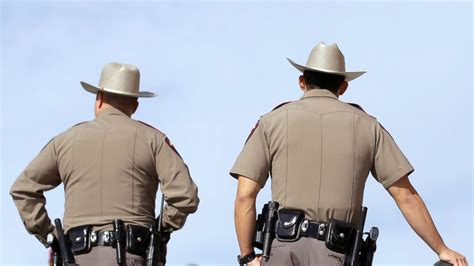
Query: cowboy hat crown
point(327, 59)
point(123, 79)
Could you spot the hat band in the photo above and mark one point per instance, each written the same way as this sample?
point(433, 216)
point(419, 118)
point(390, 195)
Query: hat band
point(128, 93)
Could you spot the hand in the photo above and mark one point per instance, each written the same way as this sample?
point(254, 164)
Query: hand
point(256, 261)
point(453, 257)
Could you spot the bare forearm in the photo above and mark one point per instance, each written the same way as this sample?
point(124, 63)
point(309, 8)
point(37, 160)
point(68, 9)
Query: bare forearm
point(419, 218)
point(417, 215)
point(244, 217)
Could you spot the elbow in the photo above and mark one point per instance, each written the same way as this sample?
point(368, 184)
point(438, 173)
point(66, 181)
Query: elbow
point(247, 191)
point(14, 190)
point(190, 206)
point(193, 204)
point(244, 199)
point(194, 201)
point(187, 202)
point(406, 198)
point(403, 192)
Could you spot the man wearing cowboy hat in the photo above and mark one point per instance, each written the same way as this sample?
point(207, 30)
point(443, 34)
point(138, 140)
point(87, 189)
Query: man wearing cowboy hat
point(319, 151)
point(111, 168)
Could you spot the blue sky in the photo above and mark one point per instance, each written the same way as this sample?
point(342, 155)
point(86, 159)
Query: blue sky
point(217, 66)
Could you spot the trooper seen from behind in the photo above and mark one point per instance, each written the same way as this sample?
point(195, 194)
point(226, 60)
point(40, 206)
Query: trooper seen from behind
point(111, 168)
point(319, 152)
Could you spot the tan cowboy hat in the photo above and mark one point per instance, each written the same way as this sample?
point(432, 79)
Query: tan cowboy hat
point(120, 79)
point(327, 59)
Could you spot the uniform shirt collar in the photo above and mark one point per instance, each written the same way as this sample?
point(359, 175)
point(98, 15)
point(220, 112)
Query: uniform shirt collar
point(111, 111)
point(316, 92)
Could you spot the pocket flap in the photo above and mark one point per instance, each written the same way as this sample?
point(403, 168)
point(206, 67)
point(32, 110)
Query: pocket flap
point(289, 218)
point(342, 232)
point(79, 238)
point(139, 234)
point(137, 239)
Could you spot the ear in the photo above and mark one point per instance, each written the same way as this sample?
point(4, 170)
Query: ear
point(302, 83)
point(135, 107)
point(99, 100)
point(343, 88)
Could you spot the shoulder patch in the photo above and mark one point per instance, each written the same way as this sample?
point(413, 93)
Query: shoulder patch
point(253, 130)
point(141, 122)
point(167, 141)
point(360, 108)
point(280, 105)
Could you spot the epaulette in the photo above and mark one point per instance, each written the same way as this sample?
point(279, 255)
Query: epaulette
point(360, 108)
point(150, 126)
point(256, 125)
point(357, 106)
point(280, 105)
point(80, 123)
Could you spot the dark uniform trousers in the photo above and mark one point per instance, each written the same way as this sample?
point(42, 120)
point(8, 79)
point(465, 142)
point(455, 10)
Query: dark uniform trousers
point(103, 255)
point(304, 252)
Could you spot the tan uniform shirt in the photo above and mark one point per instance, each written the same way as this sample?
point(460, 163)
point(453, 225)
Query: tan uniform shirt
point(319, 152)
point(111, 168)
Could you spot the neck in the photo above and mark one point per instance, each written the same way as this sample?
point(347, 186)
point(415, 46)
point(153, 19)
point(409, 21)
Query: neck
point(308, 88)
point(104, 106)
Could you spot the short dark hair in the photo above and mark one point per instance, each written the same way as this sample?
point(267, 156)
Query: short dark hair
point(114, 98)
point(118, 101)
point(322, 80)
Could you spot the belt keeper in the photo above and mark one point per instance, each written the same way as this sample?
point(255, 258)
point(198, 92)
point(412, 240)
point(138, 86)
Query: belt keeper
point(93, 237)
point(304, 226)
point(321, 231)
point(107, 238)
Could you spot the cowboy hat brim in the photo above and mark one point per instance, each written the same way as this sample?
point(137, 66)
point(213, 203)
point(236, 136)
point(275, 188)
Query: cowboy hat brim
point(93, 89)
point(348, 75)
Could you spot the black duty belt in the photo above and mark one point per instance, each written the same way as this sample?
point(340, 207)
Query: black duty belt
point(83, 238)
point(313, 230)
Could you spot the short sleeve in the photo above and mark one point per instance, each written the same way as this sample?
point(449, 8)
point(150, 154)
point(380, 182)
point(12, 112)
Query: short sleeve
point(389, 164)
point(253, 161)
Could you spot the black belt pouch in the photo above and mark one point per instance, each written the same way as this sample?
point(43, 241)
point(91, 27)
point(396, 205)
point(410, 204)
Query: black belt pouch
point(138, 238)
point(80, 240)
point(339, 236)
point(288, 225)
